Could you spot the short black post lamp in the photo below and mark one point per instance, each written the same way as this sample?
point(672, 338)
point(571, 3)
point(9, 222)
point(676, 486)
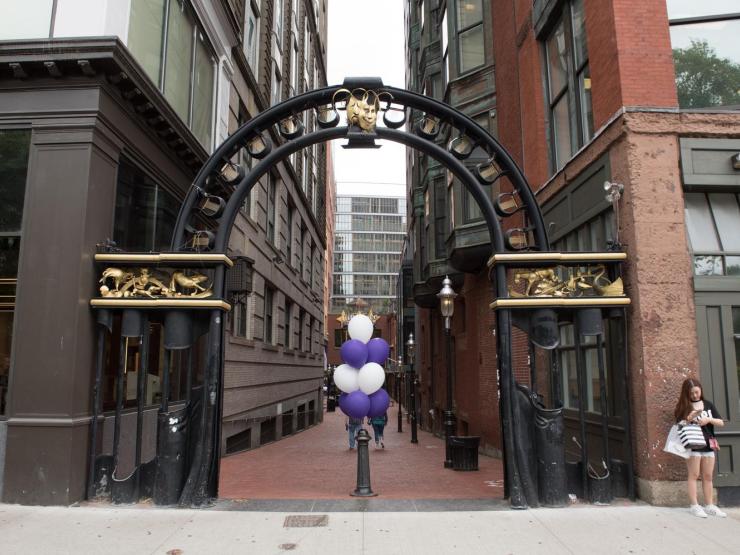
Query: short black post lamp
point(411, 382)
point(399, 377)
point(447, 306)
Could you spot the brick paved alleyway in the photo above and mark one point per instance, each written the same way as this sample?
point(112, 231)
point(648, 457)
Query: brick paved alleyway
point(317, 464)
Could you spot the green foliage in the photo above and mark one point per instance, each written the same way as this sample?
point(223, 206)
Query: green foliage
point(704, 79)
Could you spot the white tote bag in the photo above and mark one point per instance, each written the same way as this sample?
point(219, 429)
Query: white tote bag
point(673, 444)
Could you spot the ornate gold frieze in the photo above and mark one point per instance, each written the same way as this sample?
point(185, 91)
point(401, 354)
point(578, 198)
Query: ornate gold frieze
point(143, 283)
point(546, 282)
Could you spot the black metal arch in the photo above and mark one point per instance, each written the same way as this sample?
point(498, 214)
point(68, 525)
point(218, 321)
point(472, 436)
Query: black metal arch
point(201, 482)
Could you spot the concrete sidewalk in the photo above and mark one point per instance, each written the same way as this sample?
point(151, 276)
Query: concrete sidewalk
point(577, 529)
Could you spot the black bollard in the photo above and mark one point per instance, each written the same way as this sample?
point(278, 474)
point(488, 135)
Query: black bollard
point(363, 466)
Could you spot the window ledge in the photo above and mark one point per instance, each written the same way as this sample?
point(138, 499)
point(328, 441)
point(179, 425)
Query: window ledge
point(269, 347)
point(238, 340)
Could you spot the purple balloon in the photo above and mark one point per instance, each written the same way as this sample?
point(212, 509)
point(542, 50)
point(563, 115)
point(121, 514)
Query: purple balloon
point(342, 399)
point(355, 404)
point(354, 353)
point(379, 403)
point(377, 350)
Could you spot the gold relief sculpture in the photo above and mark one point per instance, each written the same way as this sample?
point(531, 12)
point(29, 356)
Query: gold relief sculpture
point(547, 283)
point(362, 106)
point(120, 283)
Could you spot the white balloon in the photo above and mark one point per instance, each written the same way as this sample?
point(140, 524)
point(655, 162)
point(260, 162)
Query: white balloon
point(360, 327)
point(370, 377)
point(345, 378)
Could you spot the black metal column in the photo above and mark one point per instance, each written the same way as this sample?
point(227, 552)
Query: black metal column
point(581, 379)
point(399, 375)
point(450, 422)
point(412, 394)
point(96, 411)
point(363, 488)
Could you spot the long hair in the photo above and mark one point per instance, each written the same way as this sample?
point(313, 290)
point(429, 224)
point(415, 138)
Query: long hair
point(683, 407)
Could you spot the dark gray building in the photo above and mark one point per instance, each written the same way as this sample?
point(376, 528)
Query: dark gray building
point(100, 138)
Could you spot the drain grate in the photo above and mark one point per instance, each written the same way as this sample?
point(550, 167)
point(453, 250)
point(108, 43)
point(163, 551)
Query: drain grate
point(305, 521)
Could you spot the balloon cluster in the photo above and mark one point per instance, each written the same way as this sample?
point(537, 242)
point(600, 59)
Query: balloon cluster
point(361, 376)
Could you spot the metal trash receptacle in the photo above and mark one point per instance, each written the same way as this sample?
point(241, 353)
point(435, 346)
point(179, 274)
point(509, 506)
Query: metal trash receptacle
point(464, 451)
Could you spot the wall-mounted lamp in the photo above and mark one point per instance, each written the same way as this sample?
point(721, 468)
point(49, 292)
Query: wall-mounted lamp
point(736, 161)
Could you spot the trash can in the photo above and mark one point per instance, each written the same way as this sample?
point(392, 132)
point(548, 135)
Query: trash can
point(464, 451)
point(331, 403)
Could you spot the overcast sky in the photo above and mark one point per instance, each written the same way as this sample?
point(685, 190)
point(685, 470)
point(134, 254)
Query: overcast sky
point(366, 39)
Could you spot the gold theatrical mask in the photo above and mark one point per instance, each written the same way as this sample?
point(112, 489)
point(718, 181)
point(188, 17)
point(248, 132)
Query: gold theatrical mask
point(362, 106)
point(120, 283)
point(547, 283)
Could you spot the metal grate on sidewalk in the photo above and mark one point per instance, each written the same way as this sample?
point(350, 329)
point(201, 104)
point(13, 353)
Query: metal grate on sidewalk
point(305, 521)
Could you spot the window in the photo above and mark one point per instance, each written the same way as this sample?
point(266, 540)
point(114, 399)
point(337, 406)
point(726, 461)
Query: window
point(445, 48)
point(145, 211)
point(14, 149)
point(706, 52)
point(289, 238)
point(713, 225)
point(440, 218)
point(568, 85)
point(245, 160)
point(251, 36)
point(269, 299)
point(277, 84)
point(181, 362)
point(271, 208)
point(167, 41)
point(288, 321)
point(294, 67)
point(279, 23)
point(310, 265)
point(239, 320)
point(301, 329)
point(301, 252)
point(470, 43)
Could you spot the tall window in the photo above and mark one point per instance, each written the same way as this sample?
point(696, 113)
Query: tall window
point(594, 235)
point(145, 211)
point(251, 34)
point(269, 300)
point(309, 278)
point(289, 238)
point(271, 207)
point(239, 319)
point(245, 160)
point(279, 23)
point(288, 321)
point(568, 85)
point(301, 329)
point(713, 224)
point(706, 52)
point(469, 27)
point(166, 39)
point(277, 85)
point(14, 148)
point(445, 47)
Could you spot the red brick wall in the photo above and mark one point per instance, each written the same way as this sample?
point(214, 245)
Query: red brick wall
point(630, 56)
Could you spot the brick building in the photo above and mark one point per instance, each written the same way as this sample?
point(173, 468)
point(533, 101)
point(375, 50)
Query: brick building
point(583, 93)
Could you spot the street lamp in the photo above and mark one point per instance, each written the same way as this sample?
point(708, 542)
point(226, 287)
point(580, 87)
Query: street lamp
point(447, 306)
point(412, 381)
point(399, 370)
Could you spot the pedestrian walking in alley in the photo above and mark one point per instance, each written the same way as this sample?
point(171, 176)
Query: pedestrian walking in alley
point(378, 423)
point(693, 409)
point(353, 425)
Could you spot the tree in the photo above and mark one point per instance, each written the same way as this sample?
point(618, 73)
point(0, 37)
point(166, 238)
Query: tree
point(704, 79)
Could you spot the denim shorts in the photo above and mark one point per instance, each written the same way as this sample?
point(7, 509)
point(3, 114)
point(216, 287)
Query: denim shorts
point(709, 454)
